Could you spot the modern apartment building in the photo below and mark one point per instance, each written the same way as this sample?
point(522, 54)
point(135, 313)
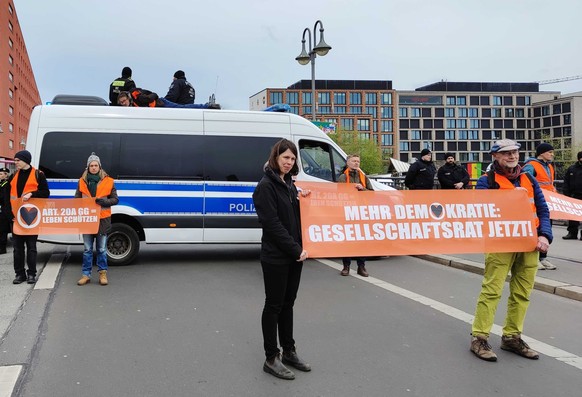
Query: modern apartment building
point(561, 120)
point(18, 91)
point(460, 117)
point(466, 118)
point(366, 106)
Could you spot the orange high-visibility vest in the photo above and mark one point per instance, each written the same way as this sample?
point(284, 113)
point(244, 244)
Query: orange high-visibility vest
point(546, 181)
point(362, 177)
point(524, 182)
point(104, 188)
point(135, 94)
point(31, 185)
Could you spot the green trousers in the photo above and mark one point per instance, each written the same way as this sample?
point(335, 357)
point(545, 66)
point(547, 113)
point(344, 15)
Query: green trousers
point(523, 266)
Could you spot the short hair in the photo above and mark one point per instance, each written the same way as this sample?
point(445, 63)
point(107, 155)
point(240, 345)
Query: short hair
point(124, 94)
point(352, 155)
point(280, 147)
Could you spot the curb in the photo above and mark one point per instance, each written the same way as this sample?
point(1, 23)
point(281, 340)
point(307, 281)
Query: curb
point(559, 288)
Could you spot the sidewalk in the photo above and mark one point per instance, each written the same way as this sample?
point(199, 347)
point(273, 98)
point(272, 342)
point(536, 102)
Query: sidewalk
point(565, 281)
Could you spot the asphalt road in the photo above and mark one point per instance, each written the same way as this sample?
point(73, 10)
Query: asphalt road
point(185, 321)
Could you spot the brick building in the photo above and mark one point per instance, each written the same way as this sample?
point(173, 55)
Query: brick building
point(18, 91)
point(365, 106)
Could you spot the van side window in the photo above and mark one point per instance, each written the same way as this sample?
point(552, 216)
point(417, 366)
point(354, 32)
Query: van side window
point(160, 156)
point(236, 158)
point(157, 156)
point(320, 160)
point(64, 154)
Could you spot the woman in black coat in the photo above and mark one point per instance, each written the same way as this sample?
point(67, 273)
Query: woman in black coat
point(277, 205)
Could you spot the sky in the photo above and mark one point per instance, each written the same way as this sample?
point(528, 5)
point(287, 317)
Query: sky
point(236, 48)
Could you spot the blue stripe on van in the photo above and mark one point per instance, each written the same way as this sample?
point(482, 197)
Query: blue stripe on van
point(223, 199)
point(230, 188)
point(153, 186)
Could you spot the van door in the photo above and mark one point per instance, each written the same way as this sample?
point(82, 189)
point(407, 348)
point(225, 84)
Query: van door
point(233, 165)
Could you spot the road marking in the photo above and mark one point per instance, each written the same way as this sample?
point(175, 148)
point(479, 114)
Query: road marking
point(8, 377)
point(541, 347)
point(48, 277)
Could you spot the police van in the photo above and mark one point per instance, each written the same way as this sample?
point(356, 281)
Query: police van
point(182, 175)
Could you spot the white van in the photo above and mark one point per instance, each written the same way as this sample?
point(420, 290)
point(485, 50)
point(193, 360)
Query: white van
point(182, 175)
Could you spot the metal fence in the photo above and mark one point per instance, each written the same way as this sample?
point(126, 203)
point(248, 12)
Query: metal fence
point(397, 182)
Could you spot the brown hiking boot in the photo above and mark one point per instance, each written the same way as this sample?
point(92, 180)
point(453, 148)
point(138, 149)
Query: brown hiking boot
point(362, 271)
point(518, 346)
point(482, 349)
point(103, 277)
point(84, 280)
point(345, 271)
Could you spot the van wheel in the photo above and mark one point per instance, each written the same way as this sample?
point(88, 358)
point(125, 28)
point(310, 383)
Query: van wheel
point(122, 244)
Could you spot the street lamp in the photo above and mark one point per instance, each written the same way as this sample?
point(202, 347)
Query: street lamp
point(321, 49)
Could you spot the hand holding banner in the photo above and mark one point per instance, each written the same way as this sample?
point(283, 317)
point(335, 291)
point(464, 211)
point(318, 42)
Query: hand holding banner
point(56, 216)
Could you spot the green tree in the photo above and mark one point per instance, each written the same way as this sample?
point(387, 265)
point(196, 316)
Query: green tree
point(564, 153)
point(370, 152)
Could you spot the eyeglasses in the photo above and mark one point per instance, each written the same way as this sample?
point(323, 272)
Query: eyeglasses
point(509, 153)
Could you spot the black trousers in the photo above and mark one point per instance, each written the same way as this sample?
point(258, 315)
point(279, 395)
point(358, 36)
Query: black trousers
point(573, 228)
point(359, 261)
point(281, 285)
point(19, 242)
point(3, 239)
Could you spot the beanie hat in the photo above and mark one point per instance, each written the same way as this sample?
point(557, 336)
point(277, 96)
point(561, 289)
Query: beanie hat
point(126, 72)
point(543, 148)
point(580, 156)
point(424, 152)
point(4, 169)
point(180, 74)
point(449, 154)
point(93, 157)
point(24, 155)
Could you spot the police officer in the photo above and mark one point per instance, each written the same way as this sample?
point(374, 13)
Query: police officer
point(123, 83)
point(5, 211)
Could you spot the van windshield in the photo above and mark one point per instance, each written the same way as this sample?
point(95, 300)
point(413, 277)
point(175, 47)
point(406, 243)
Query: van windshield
point(320, 160)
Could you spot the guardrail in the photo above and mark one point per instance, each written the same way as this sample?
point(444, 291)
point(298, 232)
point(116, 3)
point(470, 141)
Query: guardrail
point(397, 182)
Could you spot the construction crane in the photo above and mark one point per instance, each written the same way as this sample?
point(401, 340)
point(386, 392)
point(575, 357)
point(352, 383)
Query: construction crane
point(559, 80)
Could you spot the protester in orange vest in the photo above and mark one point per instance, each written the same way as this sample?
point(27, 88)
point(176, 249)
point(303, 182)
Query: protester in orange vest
point(96, 183)
point(507, 174)
point(542, 169)
point(25, 184)
point(143, 98)
point(353, 174)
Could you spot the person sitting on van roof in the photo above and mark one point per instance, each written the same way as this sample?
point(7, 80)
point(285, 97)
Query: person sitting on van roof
point(181, 91)
point(123, 83)
point(143, 98)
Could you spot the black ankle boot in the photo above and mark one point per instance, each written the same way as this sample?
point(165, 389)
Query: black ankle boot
point(275, 367)
point(291, 358)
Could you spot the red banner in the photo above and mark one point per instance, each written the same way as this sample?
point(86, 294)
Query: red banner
point(56, 216)
point(339, 221)
point(563, 207)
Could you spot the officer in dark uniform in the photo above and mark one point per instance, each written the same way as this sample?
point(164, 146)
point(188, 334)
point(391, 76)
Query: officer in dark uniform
point(181, 91)
point(123, 83)
point(5, 211)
